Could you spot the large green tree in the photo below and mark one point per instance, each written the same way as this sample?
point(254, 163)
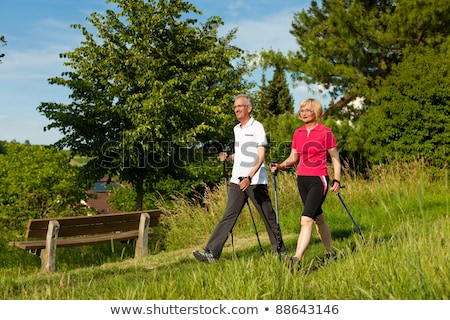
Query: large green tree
point(411, 116)
point(145, 88)
point(350, 46)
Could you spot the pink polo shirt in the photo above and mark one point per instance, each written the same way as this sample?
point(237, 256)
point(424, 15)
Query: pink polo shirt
point(312, 149)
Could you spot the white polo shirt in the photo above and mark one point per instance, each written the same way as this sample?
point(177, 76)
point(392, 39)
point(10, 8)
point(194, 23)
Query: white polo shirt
point(246, 141)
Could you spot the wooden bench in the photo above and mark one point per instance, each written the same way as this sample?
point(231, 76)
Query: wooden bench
point(45, 235)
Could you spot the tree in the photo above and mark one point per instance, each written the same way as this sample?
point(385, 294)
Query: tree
point(274, 98)
point(145, 89)
point(280, 99)
point(36, 182)
point(350, 46)
point(411, 116)
point(262, 98)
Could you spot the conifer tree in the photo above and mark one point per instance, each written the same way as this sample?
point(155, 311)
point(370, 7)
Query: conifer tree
point(275, 98)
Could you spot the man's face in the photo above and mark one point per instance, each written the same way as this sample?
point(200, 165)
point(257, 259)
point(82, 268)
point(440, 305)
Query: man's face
point(241, 110)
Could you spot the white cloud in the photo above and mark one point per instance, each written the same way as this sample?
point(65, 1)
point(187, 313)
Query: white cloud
point(300, 89)
point(30, 64)
point(267, 32)
point(236, 5)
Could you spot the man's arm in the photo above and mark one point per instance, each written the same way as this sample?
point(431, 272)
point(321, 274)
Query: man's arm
point(245, 183)
point(261, 151)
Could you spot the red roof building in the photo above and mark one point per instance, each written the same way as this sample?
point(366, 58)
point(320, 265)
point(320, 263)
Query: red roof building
point(100, 194)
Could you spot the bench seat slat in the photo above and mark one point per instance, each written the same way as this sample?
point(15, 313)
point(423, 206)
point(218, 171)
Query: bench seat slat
point(72, 231)
point(70, 221)
point(109, 217)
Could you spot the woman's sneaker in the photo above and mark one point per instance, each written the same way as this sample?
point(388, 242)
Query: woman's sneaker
point(293, 264)
point(206, 256)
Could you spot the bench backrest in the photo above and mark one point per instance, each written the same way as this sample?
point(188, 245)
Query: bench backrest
point(89, 225)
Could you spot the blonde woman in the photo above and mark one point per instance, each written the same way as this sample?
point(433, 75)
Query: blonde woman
point(310, 144)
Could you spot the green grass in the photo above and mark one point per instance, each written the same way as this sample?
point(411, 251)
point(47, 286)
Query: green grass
point(403, 212)
point(76, 160)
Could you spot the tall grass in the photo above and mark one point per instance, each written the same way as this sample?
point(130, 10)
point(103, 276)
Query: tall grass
point(403, 211)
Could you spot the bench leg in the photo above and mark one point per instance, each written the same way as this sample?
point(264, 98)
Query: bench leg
point(48, 255)
point(142, 241)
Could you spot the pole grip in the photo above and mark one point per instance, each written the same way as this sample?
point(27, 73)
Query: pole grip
point(276, 171)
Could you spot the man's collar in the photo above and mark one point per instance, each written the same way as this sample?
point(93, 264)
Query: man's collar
point(249, 122)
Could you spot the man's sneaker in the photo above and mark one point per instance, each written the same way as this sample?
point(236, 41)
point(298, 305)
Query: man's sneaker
point(206, 256)
point(329, 257)
point(281, 253)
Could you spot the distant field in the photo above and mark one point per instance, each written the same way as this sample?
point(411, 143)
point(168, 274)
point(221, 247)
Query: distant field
point(79, 161)
point(76, 160)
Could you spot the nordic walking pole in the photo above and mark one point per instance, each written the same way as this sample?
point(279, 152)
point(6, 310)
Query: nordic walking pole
point(276, 205)
point(275, 191)
point(225, 176)
point(254, 226)
point(350, 215)
point(253, 220)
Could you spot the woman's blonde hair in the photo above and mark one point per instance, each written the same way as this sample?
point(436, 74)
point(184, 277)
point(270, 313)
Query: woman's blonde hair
point(314, 104)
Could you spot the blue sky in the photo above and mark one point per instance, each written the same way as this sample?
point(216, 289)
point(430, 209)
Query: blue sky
point(37, 31)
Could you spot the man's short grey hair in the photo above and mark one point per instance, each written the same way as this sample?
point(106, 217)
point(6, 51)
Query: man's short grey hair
point(248, 99)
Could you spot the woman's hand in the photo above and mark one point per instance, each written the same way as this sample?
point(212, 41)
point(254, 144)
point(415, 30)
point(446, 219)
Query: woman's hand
point(335, 186)
point(274, 167)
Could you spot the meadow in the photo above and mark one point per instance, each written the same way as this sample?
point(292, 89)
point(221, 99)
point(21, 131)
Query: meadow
point(403, 211)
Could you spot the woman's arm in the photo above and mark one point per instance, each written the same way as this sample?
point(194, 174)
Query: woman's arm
point(288, 163)
point(334, 154)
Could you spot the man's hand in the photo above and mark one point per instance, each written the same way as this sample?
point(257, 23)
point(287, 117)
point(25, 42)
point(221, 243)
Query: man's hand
point(244, 183)
point(223, 156)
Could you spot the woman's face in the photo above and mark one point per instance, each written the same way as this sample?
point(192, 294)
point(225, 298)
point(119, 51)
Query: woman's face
point(307, 113)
